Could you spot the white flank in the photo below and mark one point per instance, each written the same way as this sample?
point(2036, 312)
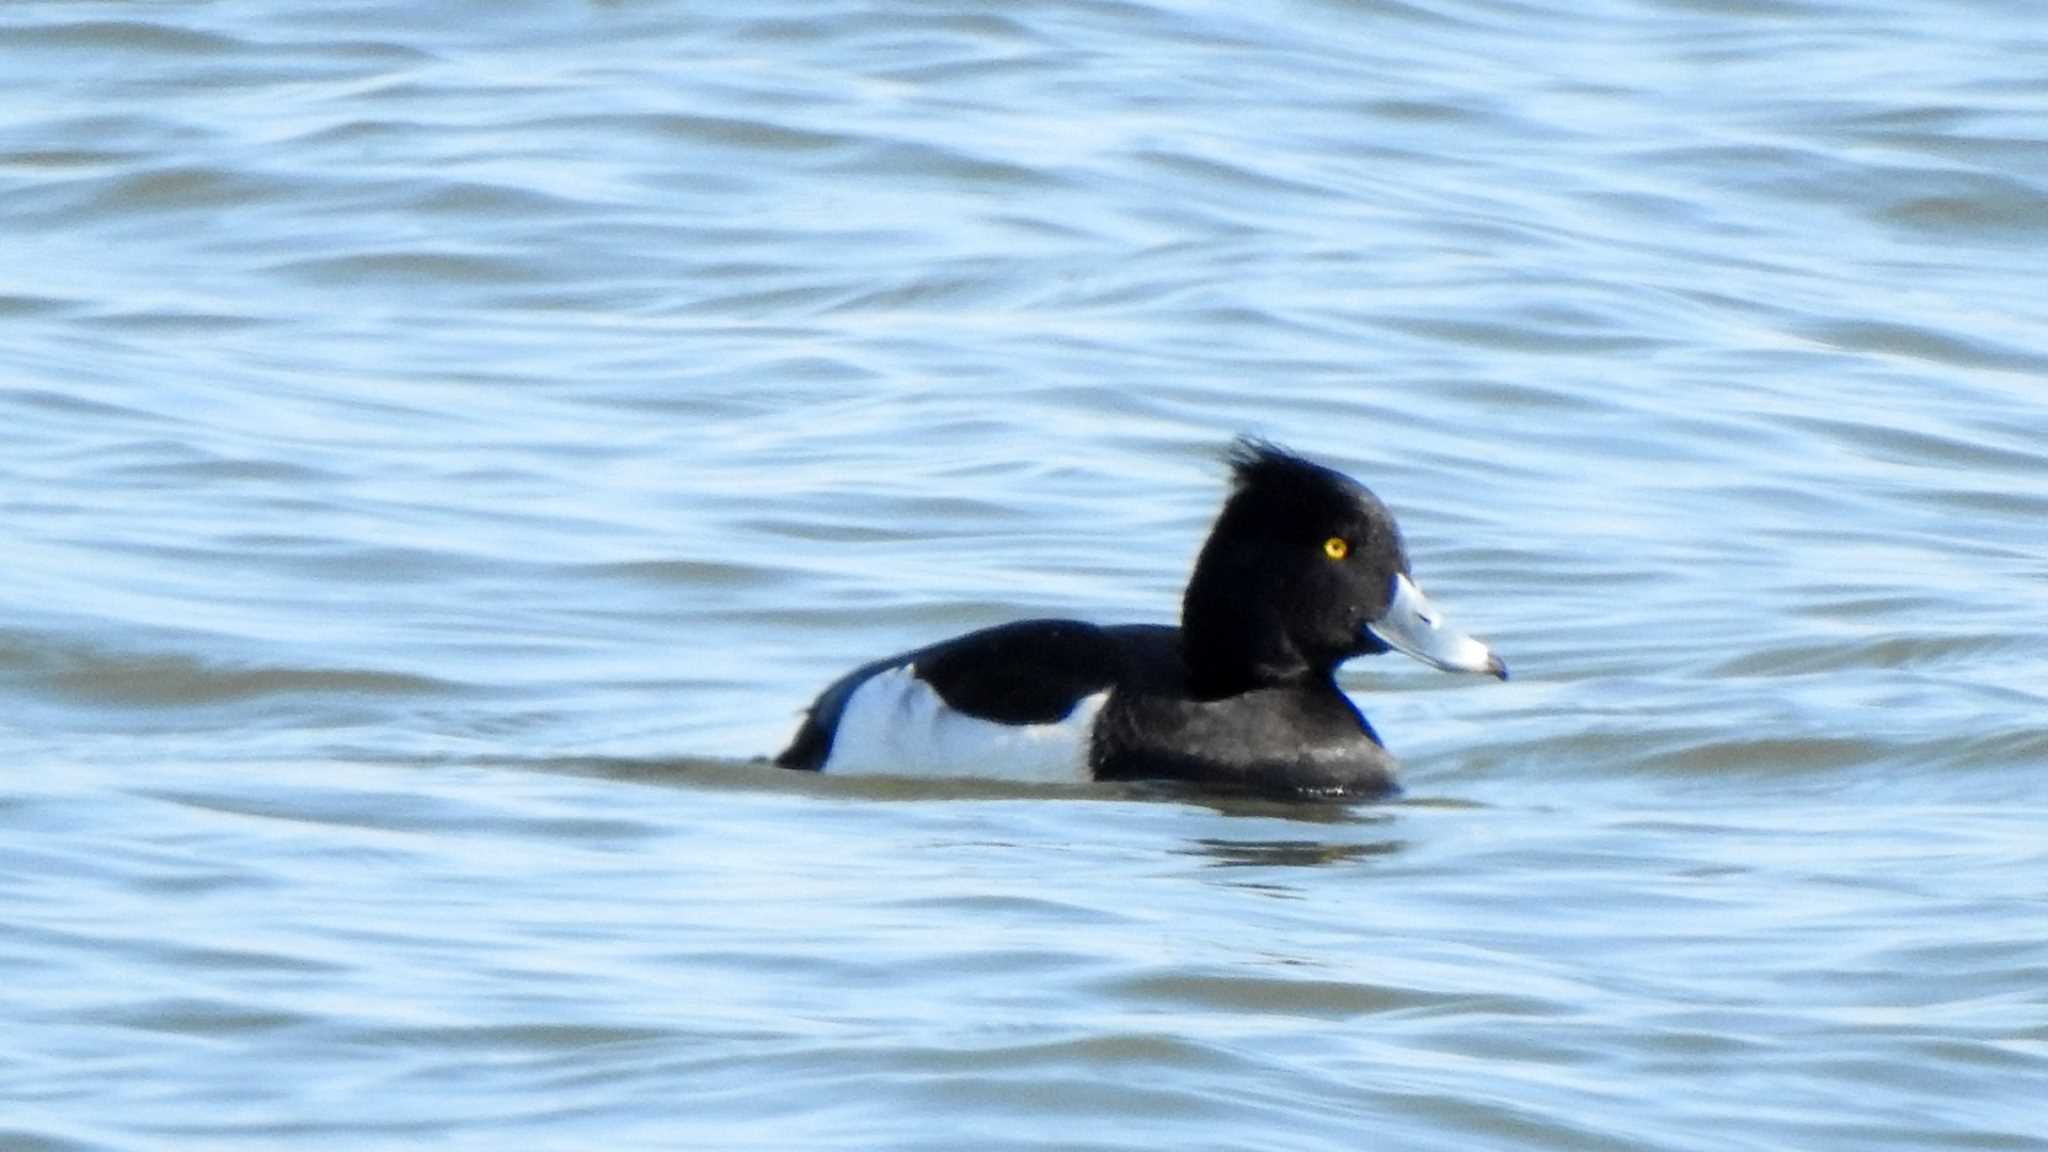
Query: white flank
point(895, 724)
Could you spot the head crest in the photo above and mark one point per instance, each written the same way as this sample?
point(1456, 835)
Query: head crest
point(1261, 465)
point(1266, 476)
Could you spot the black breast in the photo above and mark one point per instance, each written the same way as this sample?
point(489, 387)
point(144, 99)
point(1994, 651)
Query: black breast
point(1291, 739)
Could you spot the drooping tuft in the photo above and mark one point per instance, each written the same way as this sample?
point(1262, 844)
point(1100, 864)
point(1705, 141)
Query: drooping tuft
point(1264, 470)
point(1248, 454)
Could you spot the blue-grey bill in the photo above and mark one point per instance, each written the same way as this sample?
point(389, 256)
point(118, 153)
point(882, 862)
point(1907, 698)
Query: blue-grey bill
point(1411, 624)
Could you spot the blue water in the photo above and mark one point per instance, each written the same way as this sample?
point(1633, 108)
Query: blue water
point(439, 445)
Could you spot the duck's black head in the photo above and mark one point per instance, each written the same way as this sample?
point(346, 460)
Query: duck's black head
point(1303, 570)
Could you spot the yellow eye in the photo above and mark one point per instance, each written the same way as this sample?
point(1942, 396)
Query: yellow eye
point(1336, 547)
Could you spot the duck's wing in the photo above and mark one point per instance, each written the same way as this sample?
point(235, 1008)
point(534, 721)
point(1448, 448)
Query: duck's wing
point(1025, 675)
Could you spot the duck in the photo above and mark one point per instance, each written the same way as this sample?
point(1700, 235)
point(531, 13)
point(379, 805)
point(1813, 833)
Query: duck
point(1303, 570)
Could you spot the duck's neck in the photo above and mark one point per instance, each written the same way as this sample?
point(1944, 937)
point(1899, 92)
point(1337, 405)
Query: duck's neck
point(1232, 642)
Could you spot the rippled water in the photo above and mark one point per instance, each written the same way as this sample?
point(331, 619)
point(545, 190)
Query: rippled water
point(440, 443)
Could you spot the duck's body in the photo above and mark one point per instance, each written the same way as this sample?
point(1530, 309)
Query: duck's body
point(1303, 570)
point(1061, 700)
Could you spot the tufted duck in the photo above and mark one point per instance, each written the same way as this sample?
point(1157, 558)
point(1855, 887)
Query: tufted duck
point(1303, 570)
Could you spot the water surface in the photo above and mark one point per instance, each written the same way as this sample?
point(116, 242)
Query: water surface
point(439, 445)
